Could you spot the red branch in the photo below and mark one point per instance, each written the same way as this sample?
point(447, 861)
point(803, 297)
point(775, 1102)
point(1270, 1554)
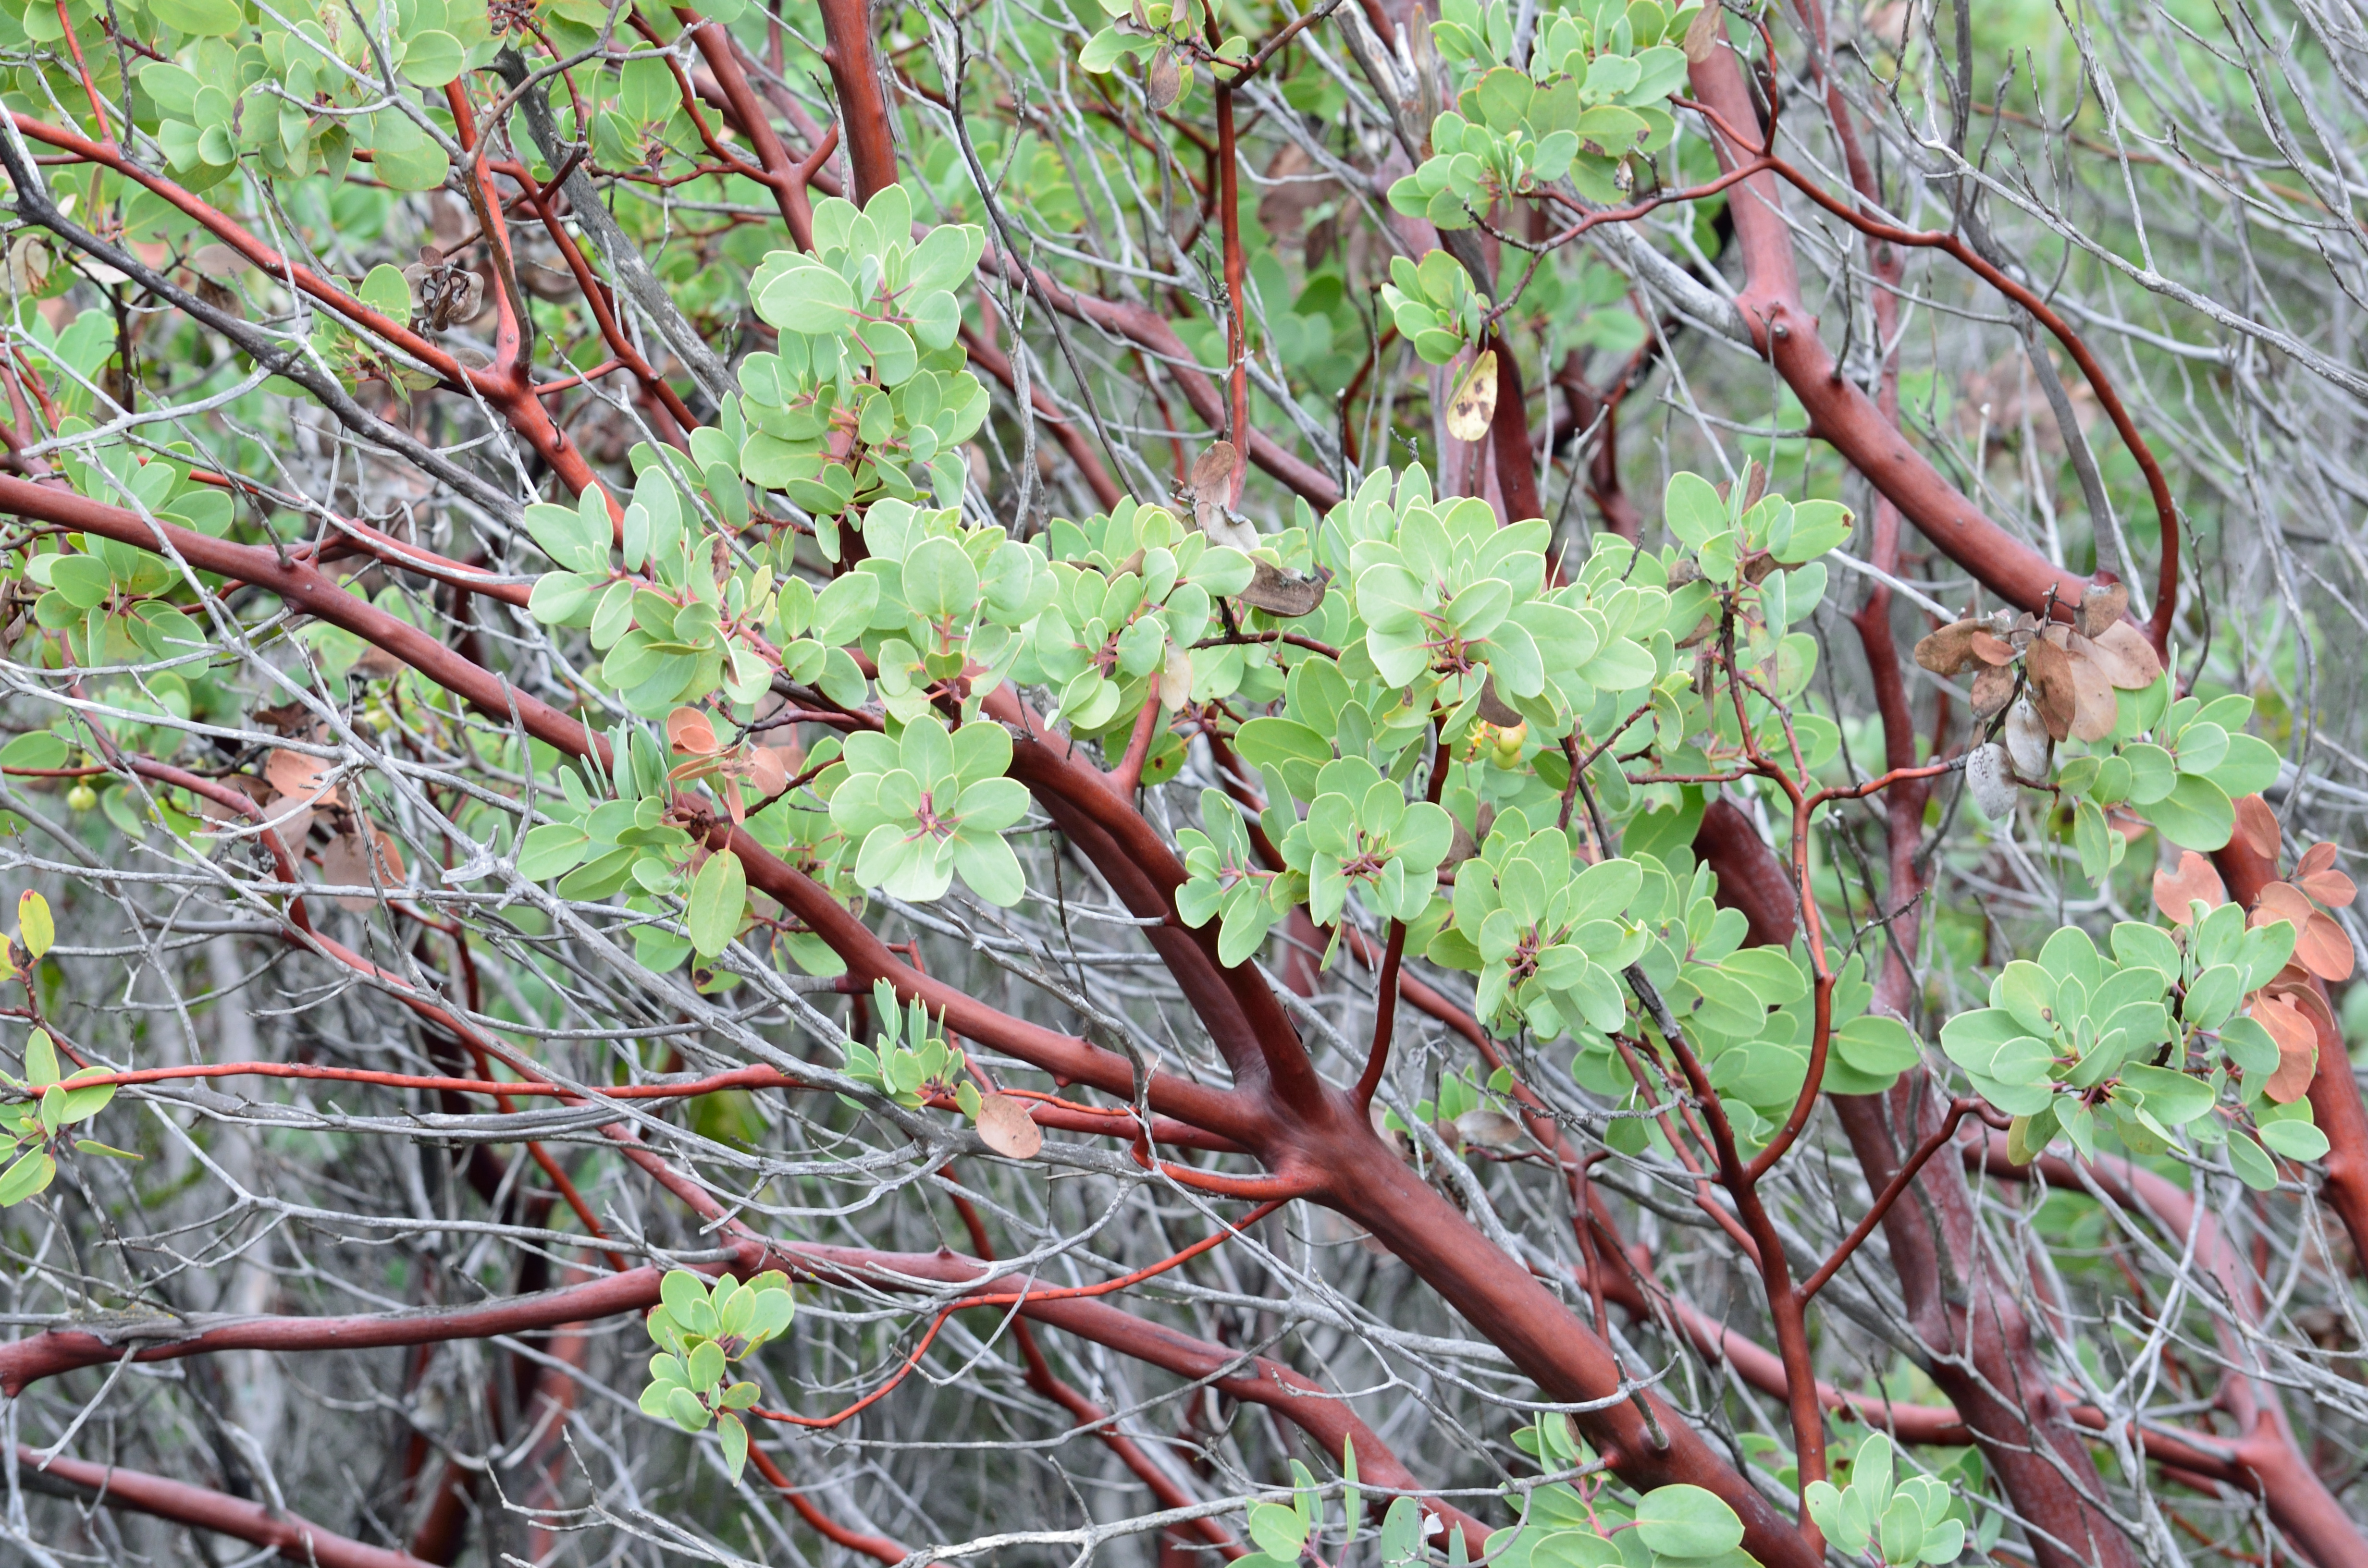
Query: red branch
point(296, 1541)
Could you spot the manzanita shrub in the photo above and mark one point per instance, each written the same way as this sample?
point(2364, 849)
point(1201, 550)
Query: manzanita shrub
point(1001, 665)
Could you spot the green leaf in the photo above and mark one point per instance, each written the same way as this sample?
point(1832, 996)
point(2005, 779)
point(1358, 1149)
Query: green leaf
point(811, 299)
point(2196, 814)
point(1280, 1531)
point(1687, 1521)
point(551, 850)
point(735, 1444)
point(718, 896)
point(41, 1059)
point(200, 18)
point(2172, 1098)
point(2252, 1167)
point(431, 59)
point(403, 155)
point(29, 1174)
point(36, 749)
point(2295, 1139)
point(388, 292)
point(565, 534)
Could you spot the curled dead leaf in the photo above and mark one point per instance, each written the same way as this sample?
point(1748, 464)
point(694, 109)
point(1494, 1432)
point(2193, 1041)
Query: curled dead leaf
point(1489, 1128)
point(2101, 607)
point(2026, 741)
point(692, 731)
point(2051, 687)
point(1005, 1126)
point(1494, 707)
point(1174, 681)
point(1993, 689)
point(1164, 81)
point(1947, 651)
point(1210, 494)
point(1986, 775)
point(2194, 879)
point(1473, 405)
point(2257, 826)
point(1277, 592)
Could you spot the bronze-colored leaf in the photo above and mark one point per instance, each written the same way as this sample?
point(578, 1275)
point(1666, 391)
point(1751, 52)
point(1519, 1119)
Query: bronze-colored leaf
point(1993, 689)
point(2194, 879)
point(2128, 659)
point(300, 777)
point(1946, 652)
point(2257, 826)
point(2317, 875)
point(2281, 901)
point(2324, 948)
point(2051, 685)
point(1473, 405)
point(2297, 1047)
point(2101, 607)
point(1992, 649)
point(1164, 81)
point(689, 730)
point(1277, 592)
point(1005, 1126)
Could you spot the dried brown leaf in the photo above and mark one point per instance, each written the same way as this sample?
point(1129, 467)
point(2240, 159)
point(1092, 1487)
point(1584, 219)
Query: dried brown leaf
point(2094, 710)
point(1945, 652)
point(300, 777)
point(1005, 1126)
point(2128, 658)
point(1705, 33)
point(1277, 592)
point(2101, 607)
point(1489, 1128)
point(1164, 81)
point(2051, 685)
point(1993, 689)
point(1494, 707)
point(1992, 649)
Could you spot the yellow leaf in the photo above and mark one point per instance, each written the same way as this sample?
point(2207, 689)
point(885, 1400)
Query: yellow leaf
point(1473, 404)
point(34, 926)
